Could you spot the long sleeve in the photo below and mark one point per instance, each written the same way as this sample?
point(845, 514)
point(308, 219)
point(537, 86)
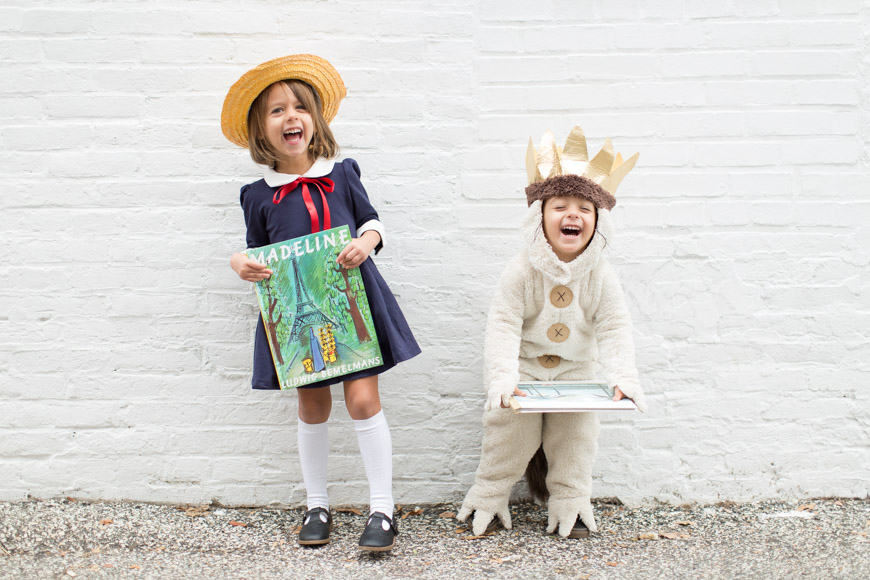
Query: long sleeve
point(613, 332)
point(365, 215)
point(257, 235)
point(503, 335)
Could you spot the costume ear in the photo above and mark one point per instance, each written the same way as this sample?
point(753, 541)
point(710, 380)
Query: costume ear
point(534, 215)
point(605, 224)
point(532, 226)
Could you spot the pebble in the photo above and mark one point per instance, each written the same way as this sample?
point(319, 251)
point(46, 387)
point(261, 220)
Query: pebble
point(71, 538)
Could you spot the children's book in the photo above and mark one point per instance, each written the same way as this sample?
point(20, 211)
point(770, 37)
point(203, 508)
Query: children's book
point(316, 313)
point(567, 397)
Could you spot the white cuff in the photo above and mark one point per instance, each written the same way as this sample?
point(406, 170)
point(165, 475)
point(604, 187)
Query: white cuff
point(372, 225)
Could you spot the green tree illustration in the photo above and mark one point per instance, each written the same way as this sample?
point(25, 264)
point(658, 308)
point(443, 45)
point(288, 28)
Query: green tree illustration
point(343, 294)
point(358, 290)
point(274, 315)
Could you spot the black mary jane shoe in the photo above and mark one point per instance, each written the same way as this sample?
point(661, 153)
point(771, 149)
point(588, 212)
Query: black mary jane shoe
point(380, 533)
point(315, 527)
point(579, 530)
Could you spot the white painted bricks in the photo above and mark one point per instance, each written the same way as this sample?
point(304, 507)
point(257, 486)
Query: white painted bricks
point(742, 237)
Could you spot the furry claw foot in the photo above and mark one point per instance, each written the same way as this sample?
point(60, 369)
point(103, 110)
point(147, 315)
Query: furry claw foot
point(482, 521)
point(555, 526)
point(579, 530)
point(564, 513)
point(491, 522)
point(484, 513)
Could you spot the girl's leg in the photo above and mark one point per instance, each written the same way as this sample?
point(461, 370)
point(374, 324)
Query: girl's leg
point(313, 434)
point(375, 443)
point(362, 398)
point(314, 404)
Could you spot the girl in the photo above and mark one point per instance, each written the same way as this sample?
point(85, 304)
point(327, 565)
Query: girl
point(557, 314)
point(281, 111)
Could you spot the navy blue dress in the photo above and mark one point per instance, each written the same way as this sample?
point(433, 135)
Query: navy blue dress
point(269, 223)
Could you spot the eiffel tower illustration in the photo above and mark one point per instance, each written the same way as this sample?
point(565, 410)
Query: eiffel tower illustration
point(307, 313)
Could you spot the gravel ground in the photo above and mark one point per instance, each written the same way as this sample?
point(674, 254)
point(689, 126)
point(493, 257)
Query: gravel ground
point(78, 539)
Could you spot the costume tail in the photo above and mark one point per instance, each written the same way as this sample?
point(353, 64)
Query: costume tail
point(536, 476)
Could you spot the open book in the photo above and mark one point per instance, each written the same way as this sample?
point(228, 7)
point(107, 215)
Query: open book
point(567, 397)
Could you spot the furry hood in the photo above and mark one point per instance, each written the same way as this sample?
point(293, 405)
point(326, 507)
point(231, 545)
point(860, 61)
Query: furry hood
point(571, 185)
point(544, 259)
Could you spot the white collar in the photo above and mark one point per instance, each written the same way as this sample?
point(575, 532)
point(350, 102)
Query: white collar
point(320, 168)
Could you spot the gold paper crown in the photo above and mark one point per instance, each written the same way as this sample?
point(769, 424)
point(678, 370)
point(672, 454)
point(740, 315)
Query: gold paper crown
point(605, 170)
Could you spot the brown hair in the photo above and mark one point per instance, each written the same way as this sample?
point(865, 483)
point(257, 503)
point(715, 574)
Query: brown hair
point(322, 143)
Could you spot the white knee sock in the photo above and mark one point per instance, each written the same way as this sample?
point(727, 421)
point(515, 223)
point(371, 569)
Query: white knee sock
point(313, 454)
point(376, 449)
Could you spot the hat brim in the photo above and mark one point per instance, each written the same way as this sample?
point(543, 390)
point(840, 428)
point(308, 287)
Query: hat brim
point(308, 68)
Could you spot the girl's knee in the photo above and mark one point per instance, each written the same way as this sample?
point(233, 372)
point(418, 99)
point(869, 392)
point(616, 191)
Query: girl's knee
point(363, 406)
point(361, 398)
point(314, 405)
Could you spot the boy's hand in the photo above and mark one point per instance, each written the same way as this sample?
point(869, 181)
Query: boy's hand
point(495, 399)
point(249, 269)
point(517, 393)
point(618, 394)
point(356, 252)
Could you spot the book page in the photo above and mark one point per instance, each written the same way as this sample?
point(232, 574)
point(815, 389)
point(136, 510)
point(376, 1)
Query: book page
point(567, 396)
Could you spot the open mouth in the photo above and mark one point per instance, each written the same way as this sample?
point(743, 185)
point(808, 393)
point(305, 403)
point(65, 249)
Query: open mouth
point(293, 136)
point(570, 231)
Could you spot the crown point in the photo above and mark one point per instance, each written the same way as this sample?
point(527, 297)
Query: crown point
point(575, 145)
point(601, 164)
point(557, 166)
point(607, 168)
point(618, 174)
point(547, 139)
point(532, 163)
point(548, 155)
point(617, 161)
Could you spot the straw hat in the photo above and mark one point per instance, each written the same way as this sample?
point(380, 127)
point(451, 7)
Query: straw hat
point(309, 68)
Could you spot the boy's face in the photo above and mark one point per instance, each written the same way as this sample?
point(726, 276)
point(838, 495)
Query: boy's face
point(569, 223)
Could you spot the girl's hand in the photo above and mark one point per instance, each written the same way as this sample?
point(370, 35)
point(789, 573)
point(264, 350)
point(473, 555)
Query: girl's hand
point(517, 393)
point(248, 269)
point(617, 394)
point(356, 252)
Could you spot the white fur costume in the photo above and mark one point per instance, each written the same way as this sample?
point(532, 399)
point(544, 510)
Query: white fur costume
point(530, 301)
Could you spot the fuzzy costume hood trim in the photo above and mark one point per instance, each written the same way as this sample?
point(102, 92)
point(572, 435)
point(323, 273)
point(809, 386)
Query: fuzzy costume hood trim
point(544, 259)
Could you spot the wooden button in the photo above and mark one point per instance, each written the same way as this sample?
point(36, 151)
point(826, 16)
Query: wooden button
point(561, 296)
point(558, 332)
point(549, 361)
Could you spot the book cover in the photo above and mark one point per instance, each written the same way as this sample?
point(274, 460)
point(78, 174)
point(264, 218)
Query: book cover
point(316, 313)
point(567, 397)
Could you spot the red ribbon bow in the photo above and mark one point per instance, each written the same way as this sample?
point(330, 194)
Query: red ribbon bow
point(324, 185)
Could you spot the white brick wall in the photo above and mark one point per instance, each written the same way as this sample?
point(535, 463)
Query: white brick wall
point(742, 246)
